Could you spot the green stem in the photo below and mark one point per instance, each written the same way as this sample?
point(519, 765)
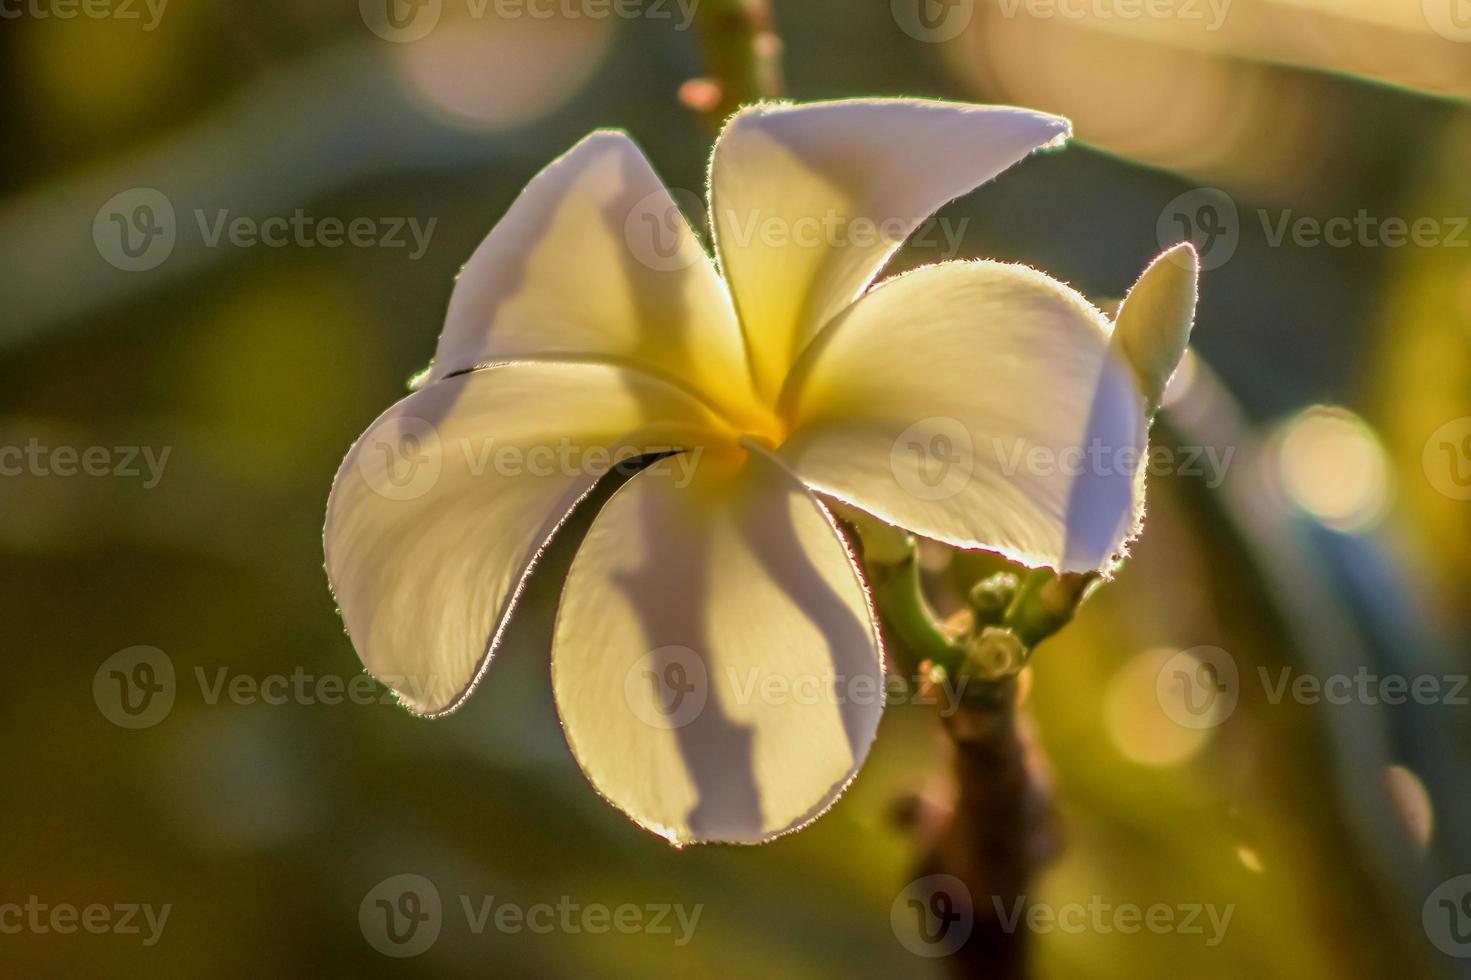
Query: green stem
point(891, 563)
point(742, 56)
point(898, 594)
point(1046, 602)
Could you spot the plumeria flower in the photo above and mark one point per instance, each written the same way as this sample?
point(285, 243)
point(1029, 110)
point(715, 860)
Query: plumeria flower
point(715, 659)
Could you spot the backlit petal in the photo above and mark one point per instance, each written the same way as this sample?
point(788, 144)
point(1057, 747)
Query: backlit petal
point(809, 201)
point(441, 507)
point(595, 260)
point(715, 660)
point(979, 403)
point(1154, 322)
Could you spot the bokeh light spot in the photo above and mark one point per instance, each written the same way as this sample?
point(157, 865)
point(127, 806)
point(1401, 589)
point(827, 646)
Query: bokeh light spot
point(1138, 725)
point(1411, 802)
point(491, 74)
point(1332, 465)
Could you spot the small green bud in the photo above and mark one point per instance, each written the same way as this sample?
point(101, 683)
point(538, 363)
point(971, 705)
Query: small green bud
point(995, 653)
point(991, 597)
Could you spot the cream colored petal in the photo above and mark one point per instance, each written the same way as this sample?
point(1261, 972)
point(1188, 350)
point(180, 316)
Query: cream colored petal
point(809, 201)
point(595, 260)
point(979, 403)
point(1154, 322)
point(715, 661)
point(442, 506)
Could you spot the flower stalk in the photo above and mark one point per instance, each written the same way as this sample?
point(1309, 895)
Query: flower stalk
point(1008, 614)
point(742, 55)
point(1002, 828)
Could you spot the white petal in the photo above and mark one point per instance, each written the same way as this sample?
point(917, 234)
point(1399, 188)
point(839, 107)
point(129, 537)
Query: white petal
point(978, 403)
point(809, 201)
point(441, 507)
point(715, 660)
point(1154, 322)
point(595, 260)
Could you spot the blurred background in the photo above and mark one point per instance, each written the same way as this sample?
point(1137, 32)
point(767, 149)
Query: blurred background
point(179, 399)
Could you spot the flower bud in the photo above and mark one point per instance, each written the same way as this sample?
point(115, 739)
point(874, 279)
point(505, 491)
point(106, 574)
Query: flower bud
point(1154, 321)
point(995, 654)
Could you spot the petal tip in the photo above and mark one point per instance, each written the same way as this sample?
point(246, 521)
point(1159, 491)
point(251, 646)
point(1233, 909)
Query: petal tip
point(1157, 317)
point(1062, 131)
point(1182, 254)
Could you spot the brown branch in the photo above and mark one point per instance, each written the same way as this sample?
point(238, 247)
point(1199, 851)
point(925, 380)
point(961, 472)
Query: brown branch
point(1002, 831)
point(1003, 827)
